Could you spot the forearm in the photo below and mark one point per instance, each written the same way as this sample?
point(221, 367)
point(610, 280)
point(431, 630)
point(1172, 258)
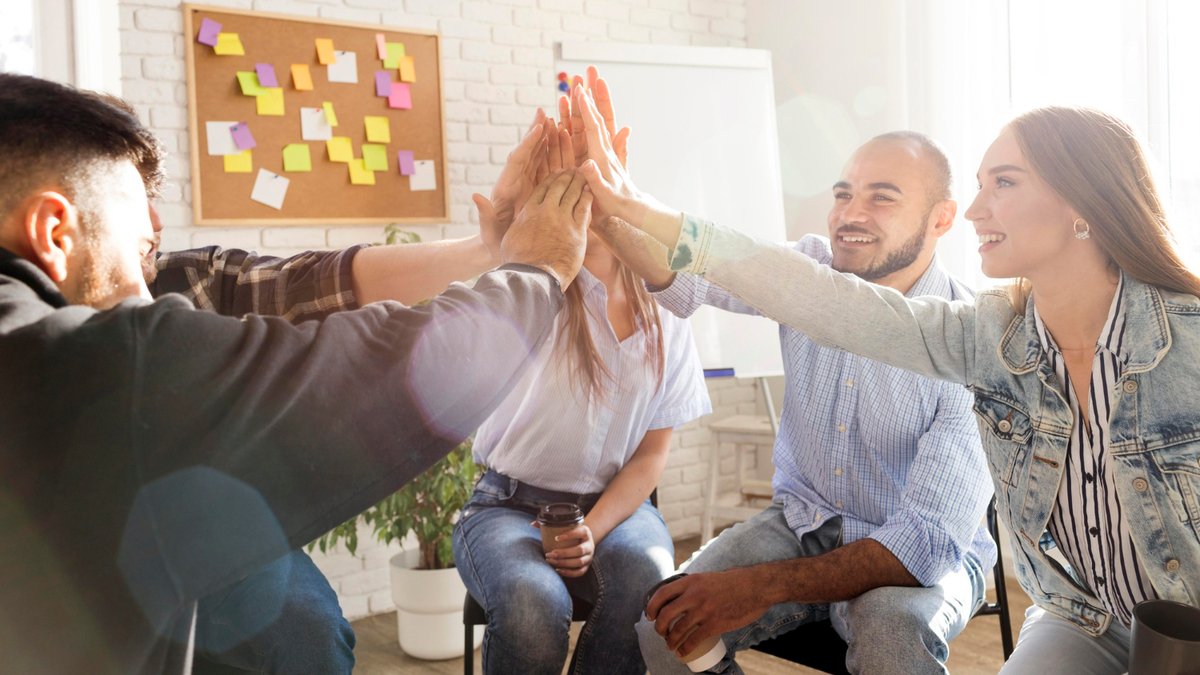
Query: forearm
point(841, 574)
point(410, 273)
point(625, 493)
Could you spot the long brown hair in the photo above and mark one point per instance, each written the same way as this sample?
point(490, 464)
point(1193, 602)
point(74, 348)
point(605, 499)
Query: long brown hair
point(1094, 162)
point(585, 367)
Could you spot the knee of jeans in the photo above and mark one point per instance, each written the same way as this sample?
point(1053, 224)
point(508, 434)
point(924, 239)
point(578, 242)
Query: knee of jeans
point(529, 607)
point(882, 618)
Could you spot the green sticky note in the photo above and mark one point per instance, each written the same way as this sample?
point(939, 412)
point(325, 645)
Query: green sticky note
point(340, 149)
point(270, 102)
point(395, 54)
point(296, 157)
point(248, 80)
point(359, 174)
point(243, 162)
point(378, 130)
point(375, 157)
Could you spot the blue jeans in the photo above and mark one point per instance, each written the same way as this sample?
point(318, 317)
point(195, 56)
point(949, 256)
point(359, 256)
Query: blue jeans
point(888, 630)
point(499, 556)
point(282, 619)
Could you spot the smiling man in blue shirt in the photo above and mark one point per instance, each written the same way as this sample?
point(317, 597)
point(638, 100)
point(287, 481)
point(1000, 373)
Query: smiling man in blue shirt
point(880, 483)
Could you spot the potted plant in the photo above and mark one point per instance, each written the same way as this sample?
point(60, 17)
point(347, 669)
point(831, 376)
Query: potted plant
point(426, 588)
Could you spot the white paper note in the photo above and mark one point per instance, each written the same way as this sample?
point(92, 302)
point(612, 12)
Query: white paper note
point(220, 138)
point(314, 126)
point(270, 189)
point(424, 177)
point(345, 69)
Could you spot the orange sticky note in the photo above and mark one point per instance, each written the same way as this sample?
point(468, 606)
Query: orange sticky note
point(242, 162)
point(229, 44)
point(340, 149)
point(301, 78)
point(270, 102)
point(408, 71)
point(330, 116)
point(359, 174)
point(325, 53)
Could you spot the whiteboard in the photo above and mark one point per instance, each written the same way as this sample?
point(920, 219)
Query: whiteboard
point(704, 141)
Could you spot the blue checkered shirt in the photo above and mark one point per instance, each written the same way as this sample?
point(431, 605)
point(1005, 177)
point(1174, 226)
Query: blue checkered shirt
point(895, 454)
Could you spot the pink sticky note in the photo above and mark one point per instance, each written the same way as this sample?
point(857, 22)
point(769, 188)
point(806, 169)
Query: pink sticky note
point(381, 45)
point(400, 96)
point(209, 30)
point(383, 83)
point(404, 160)
point(242, 137)
point(266, 74)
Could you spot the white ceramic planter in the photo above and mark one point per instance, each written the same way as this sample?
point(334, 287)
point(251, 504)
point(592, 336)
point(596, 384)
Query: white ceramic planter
point(428, 609)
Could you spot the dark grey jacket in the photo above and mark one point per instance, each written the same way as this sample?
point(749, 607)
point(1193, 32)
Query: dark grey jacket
point(152, 454)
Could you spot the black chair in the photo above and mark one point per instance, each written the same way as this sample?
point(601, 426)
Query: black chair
point(817, 645)
point(473, 615)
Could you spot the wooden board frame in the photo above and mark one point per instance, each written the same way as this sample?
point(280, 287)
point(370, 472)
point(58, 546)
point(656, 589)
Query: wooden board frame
point(436, 210)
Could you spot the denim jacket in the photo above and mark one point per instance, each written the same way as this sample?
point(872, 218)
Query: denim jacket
point(1024, 420)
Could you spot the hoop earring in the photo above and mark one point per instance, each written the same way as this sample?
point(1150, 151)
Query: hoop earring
point(1085, 233)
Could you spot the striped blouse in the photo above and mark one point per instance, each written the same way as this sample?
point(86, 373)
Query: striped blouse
point(1087, 523)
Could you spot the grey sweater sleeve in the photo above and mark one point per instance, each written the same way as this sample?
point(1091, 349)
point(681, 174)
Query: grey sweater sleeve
point(254, 436)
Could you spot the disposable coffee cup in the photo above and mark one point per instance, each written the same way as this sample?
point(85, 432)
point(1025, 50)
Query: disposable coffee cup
point(1165, 639)
point(708, 653)
point(554, 519)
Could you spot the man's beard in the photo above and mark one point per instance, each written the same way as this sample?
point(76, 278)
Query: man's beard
point(902, 257)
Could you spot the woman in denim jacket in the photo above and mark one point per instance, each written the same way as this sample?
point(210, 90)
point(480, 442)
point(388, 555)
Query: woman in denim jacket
point(1086, 372)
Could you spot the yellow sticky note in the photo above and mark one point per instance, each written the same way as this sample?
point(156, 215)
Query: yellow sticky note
point(378, 129)
point(242, 162)
point(229, 44)
point(408, 71)
point(301, 78)
point(270, 102)
point(340, 149)
point(375, 157)
point(296, 157)
point(325, 53)
point(359, 174)
point(330, 116)
point(395, 52)
point(248, 81)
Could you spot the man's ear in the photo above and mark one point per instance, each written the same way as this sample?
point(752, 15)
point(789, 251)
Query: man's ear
point(942, 217)
point(51, 228)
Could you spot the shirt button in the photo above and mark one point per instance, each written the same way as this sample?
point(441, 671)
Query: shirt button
point(1094, 531)
point(1140, 484)
point(1004, 426)
point(1172, 565)
point(841, 428)
point(1088, 477)
point(850, 382)
point(1099, 581)
point(817, 517)
point(1130, 386)
point(839, 505)
point(837, 471)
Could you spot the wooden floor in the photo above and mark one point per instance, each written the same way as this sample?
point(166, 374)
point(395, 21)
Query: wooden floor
point(974, 652)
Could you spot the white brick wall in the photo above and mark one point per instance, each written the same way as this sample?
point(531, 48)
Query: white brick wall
point(497, 60)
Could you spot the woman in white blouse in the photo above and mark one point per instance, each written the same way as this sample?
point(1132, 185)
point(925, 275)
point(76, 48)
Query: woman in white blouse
point(1085, 372)
point(590, 423)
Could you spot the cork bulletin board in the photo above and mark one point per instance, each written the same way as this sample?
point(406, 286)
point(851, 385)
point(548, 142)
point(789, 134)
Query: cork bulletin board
point(298, 121)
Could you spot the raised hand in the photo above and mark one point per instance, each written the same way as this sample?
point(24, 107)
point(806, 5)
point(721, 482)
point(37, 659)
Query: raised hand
point(572, 117)
point(517, 180)
point(550, 231)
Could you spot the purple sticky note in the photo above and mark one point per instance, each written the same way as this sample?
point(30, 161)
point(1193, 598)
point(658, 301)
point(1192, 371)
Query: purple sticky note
point(383, 83)
point(404, 160)
point(209, 30)
point(400, 96)
point(266, 74)
point(242, 137)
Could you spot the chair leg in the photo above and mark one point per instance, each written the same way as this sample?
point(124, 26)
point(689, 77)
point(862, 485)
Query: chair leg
point(1006, 636)
point(468, 649)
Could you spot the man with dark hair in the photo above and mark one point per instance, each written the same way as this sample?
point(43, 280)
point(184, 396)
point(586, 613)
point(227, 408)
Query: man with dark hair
point(880, 484)
point(152, 454)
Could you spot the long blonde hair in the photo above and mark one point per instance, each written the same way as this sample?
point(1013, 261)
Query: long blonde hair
point(1094, 162)
point(585, 366)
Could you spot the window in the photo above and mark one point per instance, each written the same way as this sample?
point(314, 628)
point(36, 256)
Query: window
point(16, 37)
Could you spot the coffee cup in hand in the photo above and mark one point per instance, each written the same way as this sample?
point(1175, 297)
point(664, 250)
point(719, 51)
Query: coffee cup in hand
point(555, 519)
point(708, 653)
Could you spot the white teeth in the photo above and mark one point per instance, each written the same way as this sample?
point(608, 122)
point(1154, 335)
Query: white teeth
point(857, 240)
point(989, 238)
